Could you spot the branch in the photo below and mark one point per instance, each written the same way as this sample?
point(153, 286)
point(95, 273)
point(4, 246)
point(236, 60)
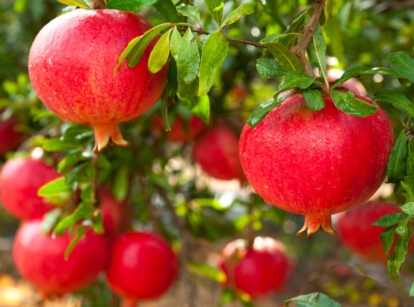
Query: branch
point(98, 4)
point(300, 49)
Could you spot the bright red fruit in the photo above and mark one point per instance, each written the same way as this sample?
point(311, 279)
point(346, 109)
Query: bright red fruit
point(112, 213)
point(72, 68)
point(182, 130)
point(10, 138)
point(20, 179)
point(357, 233)
point(40, 259)
point(316, 163)
point(217, 152)
point(257, 271)
point(142, 266)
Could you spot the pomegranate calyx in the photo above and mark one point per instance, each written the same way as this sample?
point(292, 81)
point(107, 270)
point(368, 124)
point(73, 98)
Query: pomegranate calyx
point(315, 222)
point(108, 134)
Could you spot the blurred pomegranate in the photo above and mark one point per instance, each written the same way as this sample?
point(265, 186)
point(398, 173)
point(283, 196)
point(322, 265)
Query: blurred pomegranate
point(113, 213)
point(10, 138)
point(182, 130)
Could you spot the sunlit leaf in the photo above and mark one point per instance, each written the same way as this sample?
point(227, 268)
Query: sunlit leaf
point(396, 166)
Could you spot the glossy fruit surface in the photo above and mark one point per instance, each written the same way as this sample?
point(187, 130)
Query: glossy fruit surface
point(142, 266)
point(182, 130)
point(10, 138)
point(217, 152)
point(257, 271)
point(112, 212)
point(40, 259)
point(357, 233)
point(316, 163)
point(20, 179)
point(72, 66)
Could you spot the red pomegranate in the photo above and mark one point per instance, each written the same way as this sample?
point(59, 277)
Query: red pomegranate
point(10, 138)
point(217, 152)
point(40, 259)
point(142, 266)
point(112, 213)
point(182, 130)
point(72, 68)
point(20, 179)
point(352, 84)
point(316, 163)
point(357, 233)
point(257, 271)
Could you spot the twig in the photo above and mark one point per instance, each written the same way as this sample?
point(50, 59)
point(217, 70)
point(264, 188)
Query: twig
point(98, 4)
point(300, 49)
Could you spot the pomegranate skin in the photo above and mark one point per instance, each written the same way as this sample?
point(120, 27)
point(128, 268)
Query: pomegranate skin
point(10, 138)
point(357, 233)
point(72, 68)
point(112, 213)
point(142, 266)
point(257, 271)
point(20, 179)
point(182, 130)
point(40, 259)
point(216, 151)
point(316, 163)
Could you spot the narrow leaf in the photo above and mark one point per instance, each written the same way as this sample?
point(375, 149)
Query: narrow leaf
point(317, 53)
point(257, 116)
point(294, 79)
point(207, 271)
point(130, 5)
point(80, 232)
point(78, 3)
point(83, 211)
point(408, 208)
point(397, 258)
point(313, 300)
point(214, 53)
point(396, 166)
point(190, 11)
point(411, 293)
point(269, 68)
point(390, 219)
point(387, 239)
point(296, 27)
point(402, 64)
point(199, 106)
point(410, 159)
point(352, 106)
point(159, 55)
point(408, 187)
point(167, 9)
point(57, 144)
point(275, 37)
point(232, 17)
point(216, 9)
point(314, 99)
point(54, 187)
point(398, 100)
point(287, 60)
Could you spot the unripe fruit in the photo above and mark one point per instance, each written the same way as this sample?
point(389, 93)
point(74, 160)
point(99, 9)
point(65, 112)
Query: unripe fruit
point(112, 213)
point(217, 152)
point(356, 231)
point(316, 163)
point(182, 130)
point(257, 271)
point(10, 138)
point(142, 266)
point(40, 259)
point(20, 179)
point(72, 68)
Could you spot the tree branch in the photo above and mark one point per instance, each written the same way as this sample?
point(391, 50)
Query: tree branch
point(98, 4)
point(300, 49)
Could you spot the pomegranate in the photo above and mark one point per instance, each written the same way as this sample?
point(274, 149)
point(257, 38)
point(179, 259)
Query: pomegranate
point(112, 213)
point(216, 151)
point(316, 163)
point(40, 259)
point(257, 271)
point(352, 84)
point(357, 233)
point(182, 130)
point(10, 138)
point(72, 68)
point(142, 266)
point(20, 179)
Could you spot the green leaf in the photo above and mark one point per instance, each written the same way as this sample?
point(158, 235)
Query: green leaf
point(411, 293)
point(130, 5)
point(190, 11)
point(294, 79)
point(275, 37)
point(78, 3)
point(402, 64)
point(313, 300)
point(314, 99)
point(287, 60)
point(214, 53)
point(83, 211)
point(82, 172)
point(269, 68)
point(410, 159)
point(296, 27)
point(390, 219)
point(352, 106)
point(387, 239)
point(57, 144)
point(80, 232)
point(396, 259)
point(97, 223)
point(120, 183)
point(206, 271)
point(159, 55)
point(232, 17)
point(317, 53)
point(199, 106)
point(398, 100)
point(391, 110)
point(216, 9)
point(54, 187)
point(69, 160)
point(408, 208)
point(50, 219)
point(172, 85)
point(167, 9)
point(257, 116)
point(396, 166)
point(188, 91)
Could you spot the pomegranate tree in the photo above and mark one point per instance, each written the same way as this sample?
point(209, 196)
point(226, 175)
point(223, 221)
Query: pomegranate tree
point(356, 231)
point(259, 270)
point(217, 152)
point(20, 179)
point(142, 266)
point(10, 138)
point(72, 66)
point(40, 259)
point(316, 163)
point(182, 130)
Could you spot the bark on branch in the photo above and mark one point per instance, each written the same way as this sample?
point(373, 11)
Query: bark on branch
point(98, 4)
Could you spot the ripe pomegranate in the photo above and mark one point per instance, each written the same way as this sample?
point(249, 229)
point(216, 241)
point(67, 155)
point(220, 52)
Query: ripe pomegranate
point(40, 259)
point(20, 179)
point(257, 271)
point(182, 130)
point(352, 84)
point(72, 68)
point(316, 163)
point(112, 213)
point(216, 151)
point(10, 138)
point(357, 233)
point(142, 266)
